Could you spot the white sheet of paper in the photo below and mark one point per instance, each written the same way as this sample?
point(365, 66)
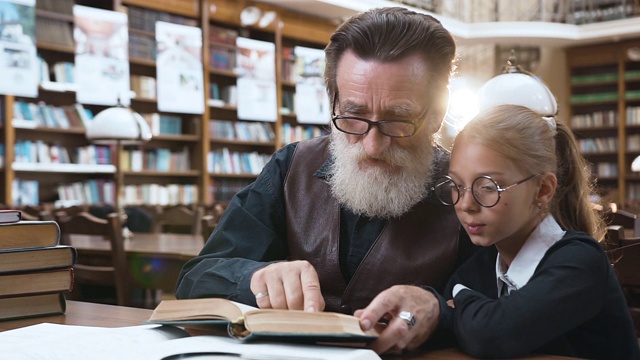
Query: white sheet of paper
point(150, 342)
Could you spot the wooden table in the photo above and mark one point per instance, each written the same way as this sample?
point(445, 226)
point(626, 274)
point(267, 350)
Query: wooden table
point(155, 260)
point(90, 314)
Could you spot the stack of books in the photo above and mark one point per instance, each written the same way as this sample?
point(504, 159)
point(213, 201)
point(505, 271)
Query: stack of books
point(35, 270)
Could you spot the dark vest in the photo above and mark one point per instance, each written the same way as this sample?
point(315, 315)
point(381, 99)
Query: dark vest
point(419, 248)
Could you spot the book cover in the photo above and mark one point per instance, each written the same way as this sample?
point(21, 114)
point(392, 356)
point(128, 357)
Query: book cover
point(249, 323)
point(29, 234)
point(42, 258)
point(10, 216)
point(36, 282)
point(32, 306)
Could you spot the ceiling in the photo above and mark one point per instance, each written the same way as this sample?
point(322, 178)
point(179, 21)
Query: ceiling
point(531, 33)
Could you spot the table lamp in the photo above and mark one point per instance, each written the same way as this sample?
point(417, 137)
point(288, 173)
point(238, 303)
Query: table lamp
point(516, 86)
point(118, 125)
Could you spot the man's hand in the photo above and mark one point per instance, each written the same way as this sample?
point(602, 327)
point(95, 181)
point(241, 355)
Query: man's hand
point(398, 335)
point(290, 285)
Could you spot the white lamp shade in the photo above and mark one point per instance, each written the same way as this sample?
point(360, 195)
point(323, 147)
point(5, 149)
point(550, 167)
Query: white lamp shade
point(517, 89)
point(118, 124)
point(635, 165)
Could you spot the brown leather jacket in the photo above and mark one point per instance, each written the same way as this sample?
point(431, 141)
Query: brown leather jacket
point(420, 248)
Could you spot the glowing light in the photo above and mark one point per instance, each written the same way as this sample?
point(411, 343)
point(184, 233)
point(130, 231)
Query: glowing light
point(463, 104)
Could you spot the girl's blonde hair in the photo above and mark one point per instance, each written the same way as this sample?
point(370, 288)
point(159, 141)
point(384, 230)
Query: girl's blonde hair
point(537, 145)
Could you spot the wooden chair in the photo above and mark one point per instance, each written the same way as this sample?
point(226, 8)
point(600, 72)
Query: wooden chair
point(625, 260)
point(116, 273)
point(208, 223)
point(178, 219)
point(626, 219)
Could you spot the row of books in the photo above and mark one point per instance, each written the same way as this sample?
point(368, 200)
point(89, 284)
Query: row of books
point(38, 151)
point(288, 102)
point(604, 169)
point(223, 190)
point(59, 6)
point(633, 191)
point(54, 31)
point(31, 115)
point(633, 115)
point(289, 72)
point(35, 270)
point(224, 161)
point(164, 124)
point(228, 95)
point(220, 35)
point(222, 58)
point(633, 143)
point(156, 194)
point(603, 145)
point(594, 97)
point(608, 118)
point(90, 192)
point(241, 130)
point(60, 72)
point(142, 47)
point(296, 133)
point(597, 119)
point(159, 159)
point(594, 78)
point(1, 155)
point(145, 19)
point(25, 192)
point(144, 86)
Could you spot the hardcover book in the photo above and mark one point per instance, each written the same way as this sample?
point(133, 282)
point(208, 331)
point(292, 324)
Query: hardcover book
point(37, 282)
point(31, 306)
point(44, 258)
point(249, 323)
point(10, 216)
point(29, 234)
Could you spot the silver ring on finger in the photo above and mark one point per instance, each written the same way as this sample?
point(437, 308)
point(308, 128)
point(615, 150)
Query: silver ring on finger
point(260, 295)
point(408, 318)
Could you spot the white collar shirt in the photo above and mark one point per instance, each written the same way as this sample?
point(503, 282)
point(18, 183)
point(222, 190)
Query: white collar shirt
point(547, 233)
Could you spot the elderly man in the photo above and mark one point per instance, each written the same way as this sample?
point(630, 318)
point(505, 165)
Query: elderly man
point(332, 222)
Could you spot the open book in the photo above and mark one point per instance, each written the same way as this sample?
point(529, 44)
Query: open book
point(249, 323)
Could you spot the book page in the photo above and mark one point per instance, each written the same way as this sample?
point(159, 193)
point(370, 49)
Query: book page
point(302, 322)
point(71, 342)
point(150, 342)
point(263, 351)
point(198, 309)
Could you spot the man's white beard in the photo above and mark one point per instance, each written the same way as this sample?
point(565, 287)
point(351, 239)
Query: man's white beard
point(385, 191)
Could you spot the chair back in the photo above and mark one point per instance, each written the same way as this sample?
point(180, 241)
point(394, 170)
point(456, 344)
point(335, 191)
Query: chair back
point(625, 260)
point(178, 219)
point(114, 273)
point(626, 219)
point(208, 223)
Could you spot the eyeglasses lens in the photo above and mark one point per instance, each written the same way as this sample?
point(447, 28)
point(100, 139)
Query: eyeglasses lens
point(359, 127)
point(485, 191)
point(446, 191)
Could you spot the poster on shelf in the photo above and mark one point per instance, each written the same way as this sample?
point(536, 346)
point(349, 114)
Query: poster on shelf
point(179, 68)
point(256, 86)
point(101, 56)
point(311, 102)
point(19, 64)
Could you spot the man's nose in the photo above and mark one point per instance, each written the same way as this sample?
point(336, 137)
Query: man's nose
point(375, 142)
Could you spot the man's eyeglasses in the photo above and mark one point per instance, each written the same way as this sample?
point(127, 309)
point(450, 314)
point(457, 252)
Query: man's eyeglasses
point(359, 126)
point(484, 189)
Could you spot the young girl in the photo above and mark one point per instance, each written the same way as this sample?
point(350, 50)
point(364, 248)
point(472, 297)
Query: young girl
point(541, 284)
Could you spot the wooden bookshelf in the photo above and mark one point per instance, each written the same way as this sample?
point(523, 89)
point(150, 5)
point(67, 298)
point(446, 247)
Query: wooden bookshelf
point(604, 85)
point(294, 29)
